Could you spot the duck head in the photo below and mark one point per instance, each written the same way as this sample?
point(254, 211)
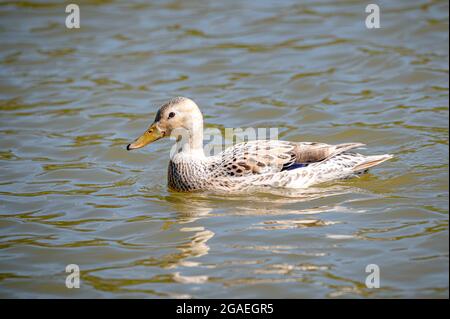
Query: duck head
point(180, 117)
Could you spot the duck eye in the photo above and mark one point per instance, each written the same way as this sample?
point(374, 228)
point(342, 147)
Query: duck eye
point(171, 114)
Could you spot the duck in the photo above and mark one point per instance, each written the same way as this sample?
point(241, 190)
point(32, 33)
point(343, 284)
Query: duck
point(249, 165)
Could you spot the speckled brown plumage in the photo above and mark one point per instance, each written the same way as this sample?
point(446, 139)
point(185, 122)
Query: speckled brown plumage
point(265, 164)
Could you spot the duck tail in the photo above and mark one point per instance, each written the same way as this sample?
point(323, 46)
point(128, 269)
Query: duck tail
point(341, 148)
point(371, 161)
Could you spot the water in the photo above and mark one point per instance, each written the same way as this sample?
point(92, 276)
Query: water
point(71, 100)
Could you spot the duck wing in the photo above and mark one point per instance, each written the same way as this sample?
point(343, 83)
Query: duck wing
point(272, 156)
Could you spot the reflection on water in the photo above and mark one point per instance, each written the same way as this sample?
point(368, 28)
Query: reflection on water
point(200, 206)
point(70, 193)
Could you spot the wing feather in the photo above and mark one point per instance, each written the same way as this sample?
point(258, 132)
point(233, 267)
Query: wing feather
point(272, 156)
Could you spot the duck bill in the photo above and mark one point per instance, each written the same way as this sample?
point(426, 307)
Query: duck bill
point(151, 135)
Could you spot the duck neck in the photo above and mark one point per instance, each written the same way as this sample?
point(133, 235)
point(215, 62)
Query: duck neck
point(190, 144)
point(194, 143)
